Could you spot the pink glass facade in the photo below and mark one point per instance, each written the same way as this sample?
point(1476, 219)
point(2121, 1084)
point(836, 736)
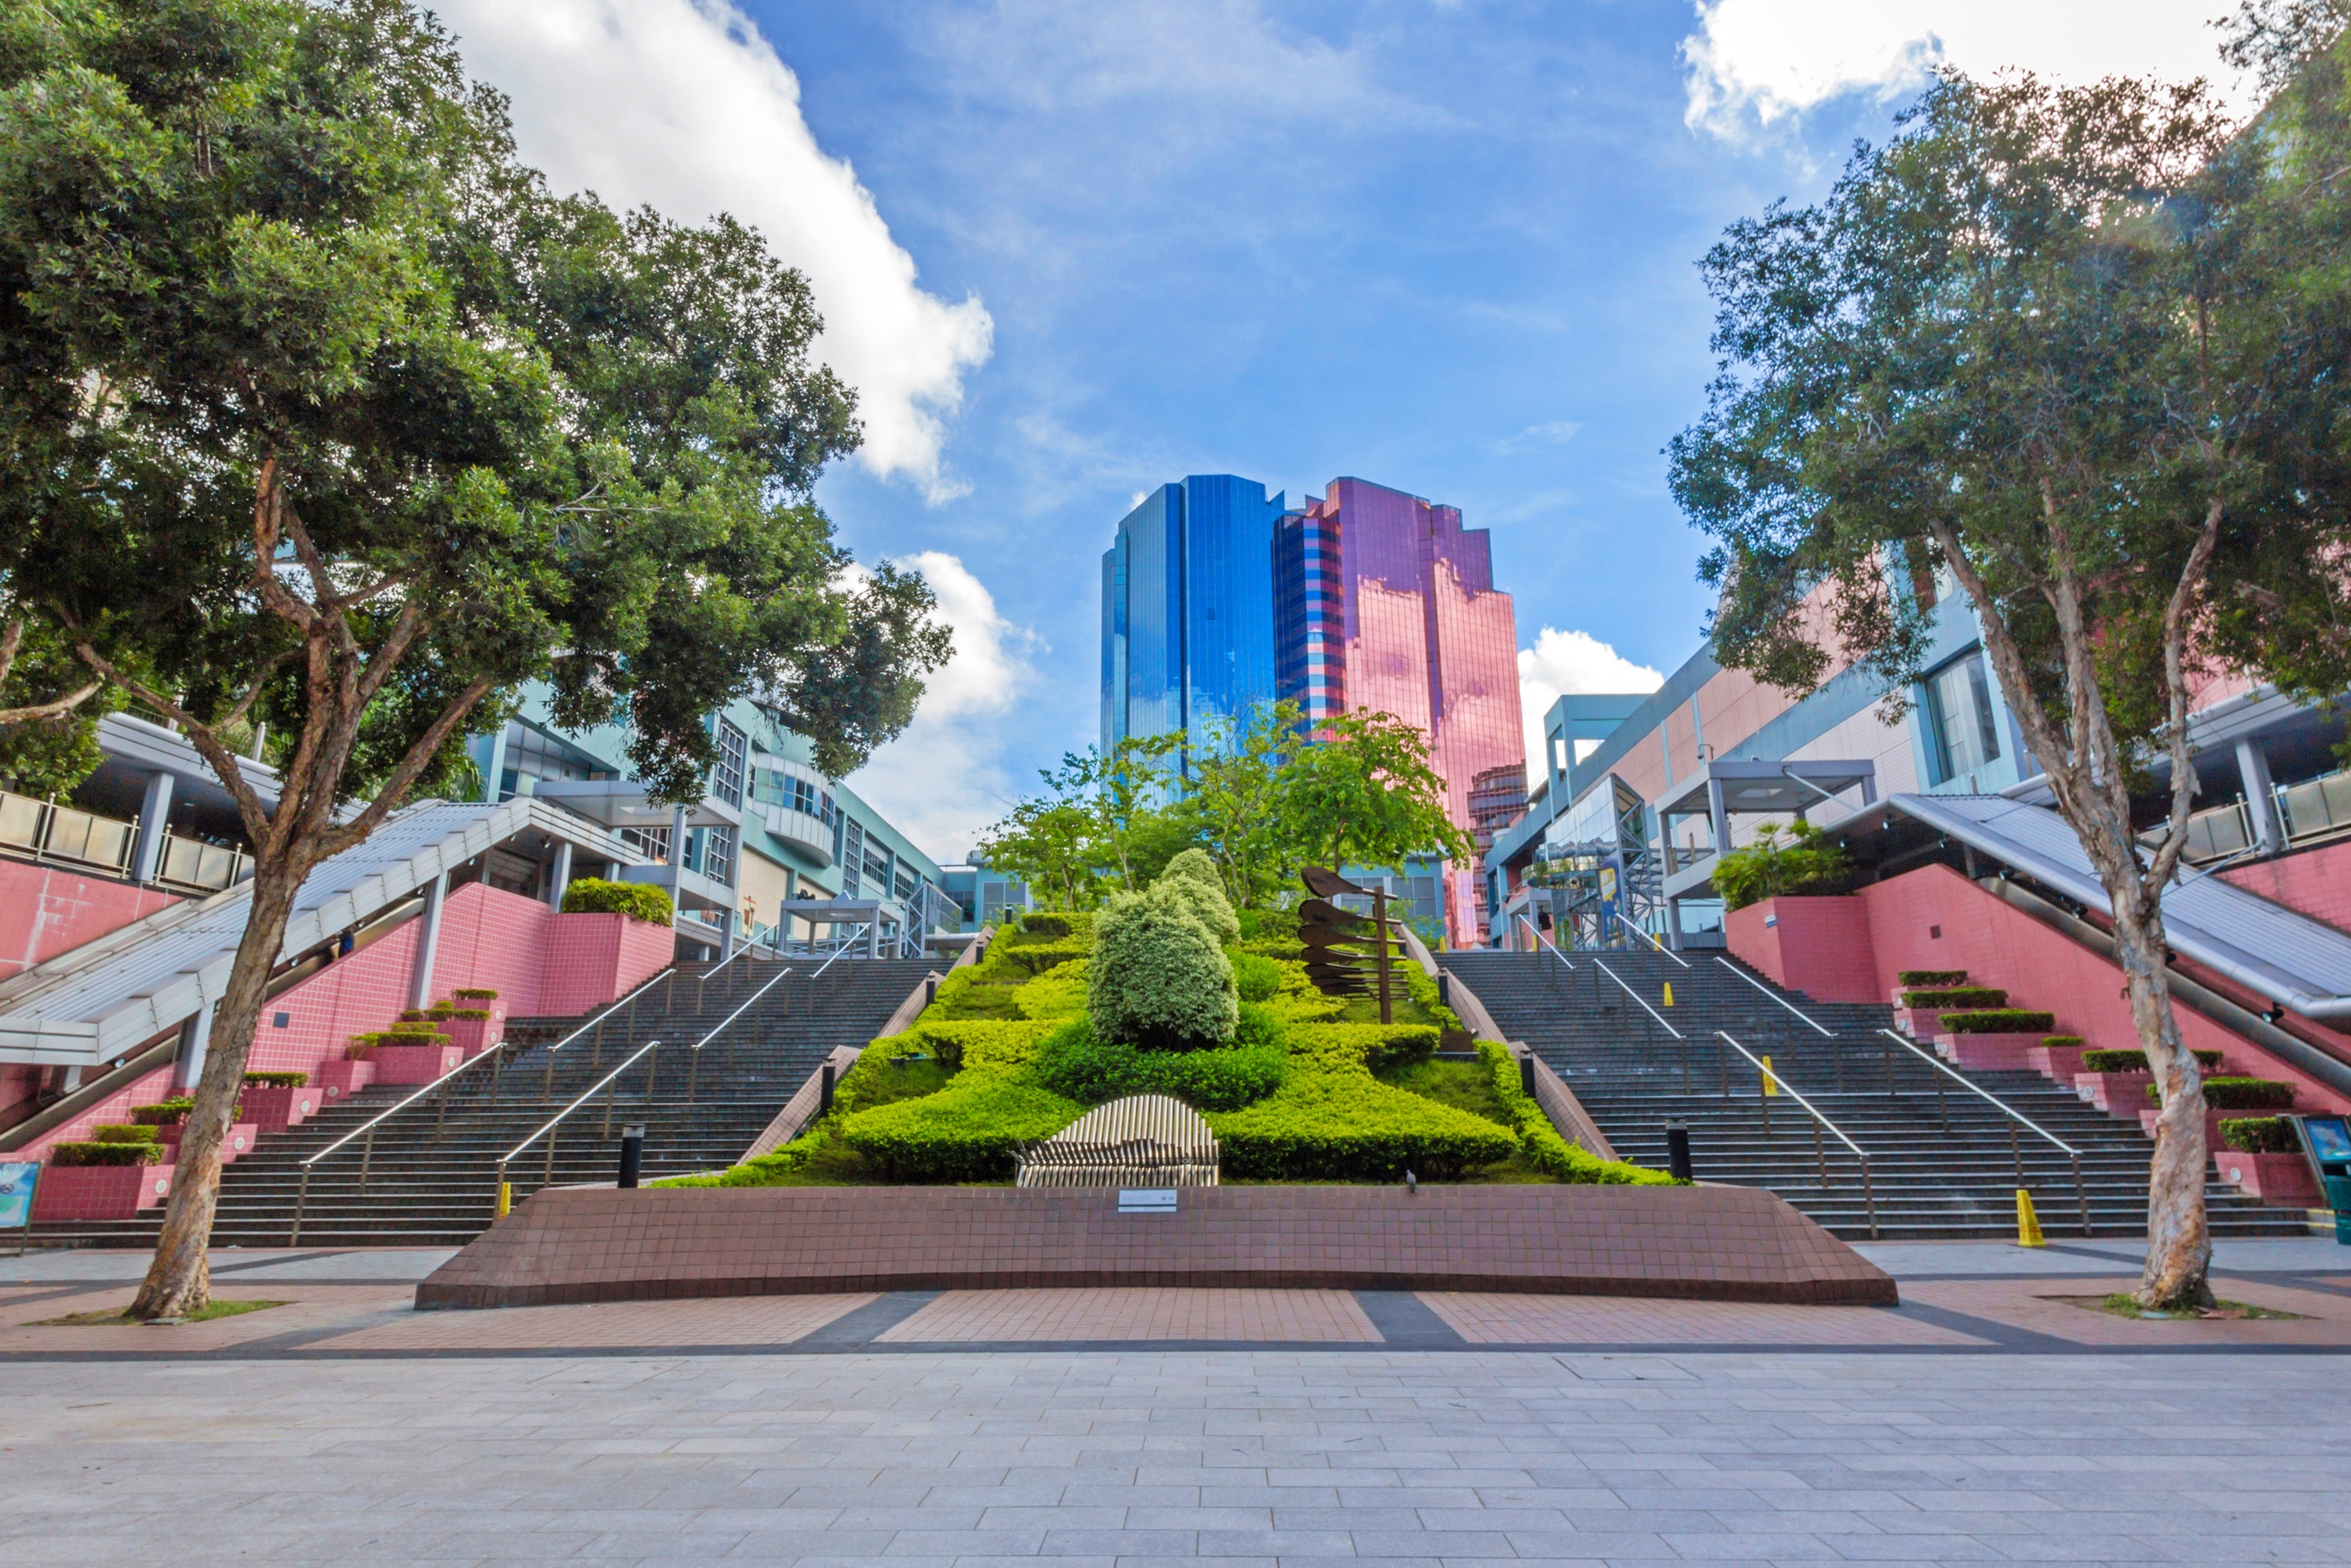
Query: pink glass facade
point(1385, 603)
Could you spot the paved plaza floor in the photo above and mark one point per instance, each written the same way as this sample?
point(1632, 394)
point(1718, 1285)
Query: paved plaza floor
point(1991, 1417)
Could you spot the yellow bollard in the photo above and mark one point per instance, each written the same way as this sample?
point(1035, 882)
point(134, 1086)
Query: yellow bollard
point(1770, 1083)
point(505, 1199)
point(2028, 1223)
point(1669, 993)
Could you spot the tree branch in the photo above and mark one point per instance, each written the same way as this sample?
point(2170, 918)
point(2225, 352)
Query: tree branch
point(199, 735)
point(64, 705)
point(269, 517)
point(11, 639)
point(412, 767)
point(2175, 680)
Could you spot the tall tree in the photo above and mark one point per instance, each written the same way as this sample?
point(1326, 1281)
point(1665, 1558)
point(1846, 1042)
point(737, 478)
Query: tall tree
point(1364, 794)
point(322, 413)
point(2054, 343)
point(1234, 800)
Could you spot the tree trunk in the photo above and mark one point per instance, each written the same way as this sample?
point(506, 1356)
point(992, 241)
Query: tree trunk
point(179, 1282)
point(2179, 1231)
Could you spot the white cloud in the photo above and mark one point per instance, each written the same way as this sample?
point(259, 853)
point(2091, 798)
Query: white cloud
point(1755, 62)
point(682, 105)
point(945, 779)
point(1558, 433)
point(1567, 663)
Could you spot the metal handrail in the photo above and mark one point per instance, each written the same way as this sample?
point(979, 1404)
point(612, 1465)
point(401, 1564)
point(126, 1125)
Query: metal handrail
point(1636, 996)
point(1781, 1000)
point(1650, 937)
point(592, 1091)
point(1771, 1078)
point(495, 1054)
point(693, 1063)
point(2081, 1192)
point(1542, 941)
point(837, 952)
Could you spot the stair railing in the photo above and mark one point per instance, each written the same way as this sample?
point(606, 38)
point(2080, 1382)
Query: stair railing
point(1543, 943)
point(1768, 1082)
point(2015, 1152)
point(1642, 1002)
point(1651, 938)
point(694, 1058)
point(1783, 1001)
point(495, 1056)
point(547, 1130)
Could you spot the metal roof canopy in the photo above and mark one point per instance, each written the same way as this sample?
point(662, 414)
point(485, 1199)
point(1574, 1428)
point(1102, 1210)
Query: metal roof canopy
point(2297, 962)
point(1776, 788)
point(108, 997)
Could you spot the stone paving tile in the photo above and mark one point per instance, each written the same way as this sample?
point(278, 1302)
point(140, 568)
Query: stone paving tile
point(310, 1308)
point(1129, 1314)
point(712, 1321)
point(1484, 1319)
point(2034, 1304)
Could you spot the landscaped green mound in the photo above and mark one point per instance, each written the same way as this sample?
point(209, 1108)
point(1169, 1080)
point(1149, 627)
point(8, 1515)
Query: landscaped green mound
point(1079, 1008)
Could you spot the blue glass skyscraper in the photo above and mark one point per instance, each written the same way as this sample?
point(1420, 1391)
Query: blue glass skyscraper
point(1188, 611)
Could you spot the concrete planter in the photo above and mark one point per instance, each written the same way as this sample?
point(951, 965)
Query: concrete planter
point(341, 1079)
point(1999, 1052)
point(2120, 1094)
point(2061, 1063)
point(240, 1140)
point(98, 1192)
point(275, 1109)
point(2281, 1181)
point(2212, 1120)
point(414, 1063)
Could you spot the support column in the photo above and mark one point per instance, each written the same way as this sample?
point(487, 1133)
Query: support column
point(729, 920)
point(1718, 817)
point(559, 877)
point(2261, 796)
point(428, 941)
point(195, 1039)
point(154, 813)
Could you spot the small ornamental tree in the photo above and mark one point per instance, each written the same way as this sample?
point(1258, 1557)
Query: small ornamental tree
point(2077, 355)
point(321, 412)
point(1772, 868)
point(1364, 794)
point(1192, 876)
point(1157, 978)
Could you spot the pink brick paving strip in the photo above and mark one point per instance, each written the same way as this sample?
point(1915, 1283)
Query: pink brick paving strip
point(2037, 1305)
point(1703, 1243)
point(744, 1321)
point(1125, 1313)
point(1495, 1319)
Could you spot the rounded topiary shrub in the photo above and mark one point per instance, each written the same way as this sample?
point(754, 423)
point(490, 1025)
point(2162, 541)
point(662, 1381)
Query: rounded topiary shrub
point(1192, 875)
point(1158, 980)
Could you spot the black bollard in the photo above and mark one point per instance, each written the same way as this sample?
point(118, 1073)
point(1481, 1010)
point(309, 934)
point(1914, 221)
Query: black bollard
point(1527, 1075)
point(824, 1091)
point(1677, 1160)
point(632, 1152)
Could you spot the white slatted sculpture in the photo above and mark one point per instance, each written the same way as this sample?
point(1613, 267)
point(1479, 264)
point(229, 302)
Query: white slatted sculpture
point(1145, 1140)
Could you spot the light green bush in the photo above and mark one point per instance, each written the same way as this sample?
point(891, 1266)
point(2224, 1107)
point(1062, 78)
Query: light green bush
point(594, 895)
point(1074, 1064)
point(970, 1131)
point(1539, 1142)
point(1192, 876)
point(1157, 978)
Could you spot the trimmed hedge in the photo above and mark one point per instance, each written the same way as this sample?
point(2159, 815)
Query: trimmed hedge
point(74, 1156)
point(278, 1079)
point(363, 1046)
point(2259, 1134)
point(1957, 997)
point(2238, 1095)
point(1542, 1145)
point(1078, 923)
point(474, 994)
point(1074, 1064)
point(1015, 960)
point(1157, 978)
point(122, 1133)
point(1999, 1020)
point(2063, 1042)
point(638, 901)
point(1930, 977)
point(2135, 1060)
point(163, 1113)
point(970, 1131)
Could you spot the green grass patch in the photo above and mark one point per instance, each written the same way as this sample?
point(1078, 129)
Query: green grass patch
point(1464, 1085)
point(2120, 1305)
point(118, 1318)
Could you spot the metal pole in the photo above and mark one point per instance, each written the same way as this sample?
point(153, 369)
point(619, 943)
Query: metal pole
point(1722, 1066)
point(693, 1070)
point(552, 1133)
point(1889, 1072)
point(547, 1090)
point(498, 1067)
point(1821, 1153)
point(1379, 936)
point(1869, 1197)
point(505, 1198)
point(367, 1156)
point(652, 1062)
point(1763, 1098)
point(440, 1114)
point(301, 1197)
point(1943, 1104)
point(2081, 1195)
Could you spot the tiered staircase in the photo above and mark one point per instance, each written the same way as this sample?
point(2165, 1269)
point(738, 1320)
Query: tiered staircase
point(1943, 1161)
point(431, 1177)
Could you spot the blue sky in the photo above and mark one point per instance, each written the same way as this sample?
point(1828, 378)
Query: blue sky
point(1448, 247)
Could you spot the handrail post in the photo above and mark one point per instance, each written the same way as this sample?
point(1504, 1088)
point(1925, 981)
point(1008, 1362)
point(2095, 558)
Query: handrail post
point(1869, 1197)
point(497, 1066)
point(652, 1066)
point(693, 1071)
point(302, 1200)
point(2081, 1195)
point(552, 1135)
point(1820, 1154)
point(502, 1195)
point(367, 1156)
point(547, 1088)
point(1763, 1098)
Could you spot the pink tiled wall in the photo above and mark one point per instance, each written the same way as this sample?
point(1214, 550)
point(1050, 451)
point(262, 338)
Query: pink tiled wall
point(539, 962)
point(1998, 945)
point(1820, 946)
point(2316, 882)
point(45, 911)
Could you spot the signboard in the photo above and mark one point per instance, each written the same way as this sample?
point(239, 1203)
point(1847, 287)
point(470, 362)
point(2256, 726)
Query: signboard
point(1147, 1200)
point(2330, 1139)
point(16, 1180)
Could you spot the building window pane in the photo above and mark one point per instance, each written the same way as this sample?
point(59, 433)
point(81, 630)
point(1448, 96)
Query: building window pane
point(727, 779)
